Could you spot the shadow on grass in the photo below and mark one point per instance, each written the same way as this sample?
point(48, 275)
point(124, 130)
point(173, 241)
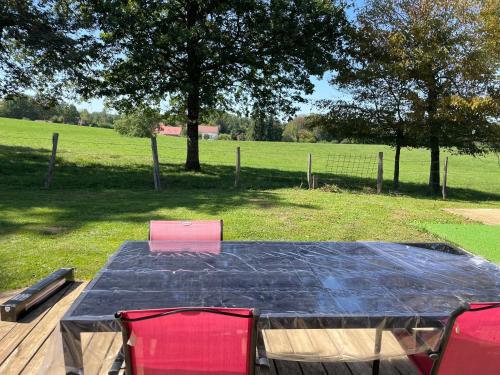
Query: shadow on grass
point(23, 168)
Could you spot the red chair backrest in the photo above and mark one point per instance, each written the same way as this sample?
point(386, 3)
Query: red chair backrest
point(201, 230)
point(473, 344)
point(190, 341)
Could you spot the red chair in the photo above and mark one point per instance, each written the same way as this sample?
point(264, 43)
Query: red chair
point(189, 341)
point(201, 230)
point(471, 343)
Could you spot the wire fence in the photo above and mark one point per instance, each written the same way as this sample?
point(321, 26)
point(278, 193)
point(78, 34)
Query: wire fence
point(94, 164)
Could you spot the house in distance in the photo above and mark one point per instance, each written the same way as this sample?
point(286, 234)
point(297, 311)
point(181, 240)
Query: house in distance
point(208, 132)
point(204, 131)
point(173, 131)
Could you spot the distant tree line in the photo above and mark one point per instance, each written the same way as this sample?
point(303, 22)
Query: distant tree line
point(31, 108)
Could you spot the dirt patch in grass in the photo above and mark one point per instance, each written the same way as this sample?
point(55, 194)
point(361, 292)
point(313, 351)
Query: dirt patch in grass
point(490, 216)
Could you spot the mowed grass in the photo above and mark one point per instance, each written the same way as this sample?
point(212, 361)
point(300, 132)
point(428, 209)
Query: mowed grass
point(484, 239)
point(102, 195)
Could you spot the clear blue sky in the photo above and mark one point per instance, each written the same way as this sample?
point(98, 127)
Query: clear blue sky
point(322, 89)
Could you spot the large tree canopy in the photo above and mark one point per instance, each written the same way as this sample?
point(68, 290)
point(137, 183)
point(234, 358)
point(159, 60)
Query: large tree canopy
point(41, 46)
point(422, 73)
point(209, 54)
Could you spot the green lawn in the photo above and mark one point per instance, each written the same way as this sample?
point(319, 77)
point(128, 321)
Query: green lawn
point(103, 195)
point(483, 239)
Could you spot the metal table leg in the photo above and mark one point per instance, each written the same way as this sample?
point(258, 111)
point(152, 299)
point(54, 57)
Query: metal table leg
point(72, 350)
point(378, 346)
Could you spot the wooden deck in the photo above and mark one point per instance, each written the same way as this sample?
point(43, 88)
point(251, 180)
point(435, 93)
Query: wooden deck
point(32, 346)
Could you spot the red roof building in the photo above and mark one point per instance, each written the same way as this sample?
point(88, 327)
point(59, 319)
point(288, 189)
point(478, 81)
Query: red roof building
point(174, 131)
point(204, 131)
point(208, 132)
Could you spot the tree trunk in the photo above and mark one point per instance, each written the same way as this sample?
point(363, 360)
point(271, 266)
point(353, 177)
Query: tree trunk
point(396, 168)
point(193, 99)
point(434, 177)
point(192, 156)
point(434, 128)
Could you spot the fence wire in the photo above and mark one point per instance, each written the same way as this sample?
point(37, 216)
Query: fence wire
point(129, 164)
point(362, 166)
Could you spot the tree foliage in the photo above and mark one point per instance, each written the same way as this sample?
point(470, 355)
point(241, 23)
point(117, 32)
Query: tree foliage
point(237, 127)
point(264, 127)
point(422, 73)
point(41, 47)
point(33, 108)
point(205, 55)
point(139, 123)
point(304, 129)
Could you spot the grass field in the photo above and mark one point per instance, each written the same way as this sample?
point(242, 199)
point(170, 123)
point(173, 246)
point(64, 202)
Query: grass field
point(103, 194)
point(484, 239)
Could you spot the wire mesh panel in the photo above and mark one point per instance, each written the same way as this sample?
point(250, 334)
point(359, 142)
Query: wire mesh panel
point(348, 170)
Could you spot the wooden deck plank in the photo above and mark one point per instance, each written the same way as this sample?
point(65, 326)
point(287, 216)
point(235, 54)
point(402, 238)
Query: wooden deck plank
point(313, 368)
point(95, 354)
point(360, 368)
point(386, 368)
point(5, 328)
point(288, 368)
point(404, 366)
point(20, 355)
point(337, 368)
point(265, 370)
point(35, 364)
point(113, 350)
point(22, 329)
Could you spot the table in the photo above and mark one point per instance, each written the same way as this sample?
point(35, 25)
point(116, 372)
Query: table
point(294, 284)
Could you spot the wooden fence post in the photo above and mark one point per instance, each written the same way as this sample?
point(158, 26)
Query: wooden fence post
point(314, 181)
point(238, 168)
point(309, 170)
point(445, 177)
point(380, 173)
point(52, 161)
point(156, 164)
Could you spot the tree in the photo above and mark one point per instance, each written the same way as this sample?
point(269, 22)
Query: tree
point(228, 123)
point(292, 129)
point(417, 70)
point(299, 130)
point(212, 54)
point(139, 123)
point(70, 114)
point(85, 117)
point(40, 48)
point(20, 107)
point(264, 127)
point(377, 120)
